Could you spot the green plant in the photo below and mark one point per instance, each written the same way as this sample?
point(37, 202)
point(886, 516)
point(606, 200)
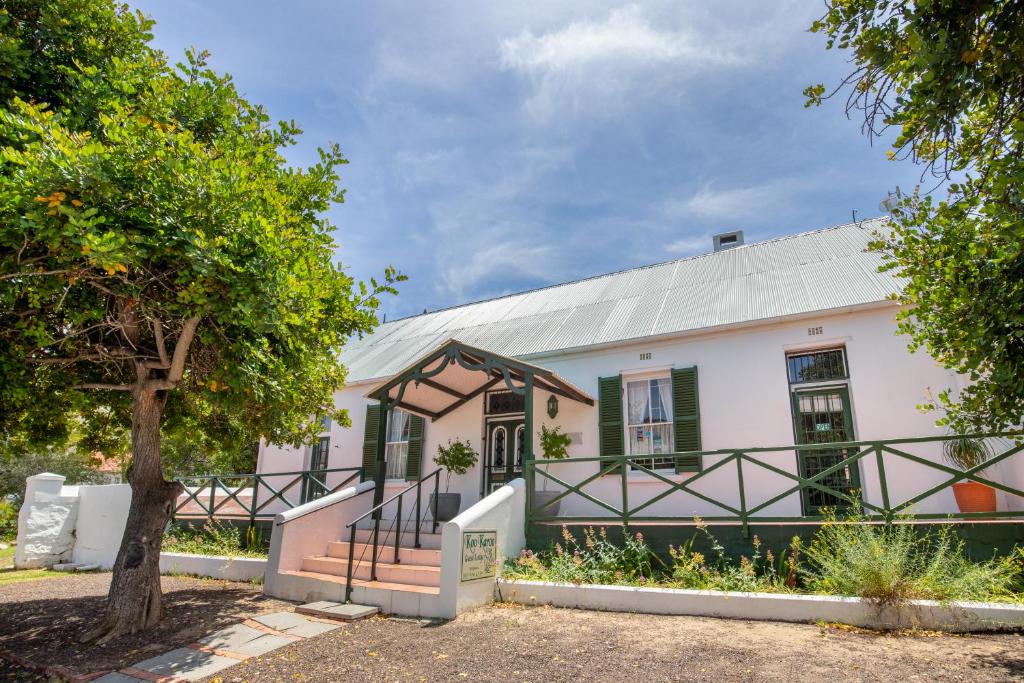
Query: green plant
point(554, 444)
point(457, 457)
point(940, 83)
point(254, 538)
point(214, 538)
point(8, 521)
point(758, 572)
point(966, 452)
point(889, 564)
point(595, 560)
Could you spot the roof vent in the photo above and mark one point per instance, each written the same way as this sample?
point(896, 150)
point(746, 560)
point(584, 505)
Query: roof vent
point(728, 240)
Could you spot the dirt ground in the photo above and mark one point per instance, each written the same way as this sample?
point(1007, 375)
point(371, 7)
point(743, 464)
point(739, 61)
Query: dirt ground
point(41, 619)
point(503, 643)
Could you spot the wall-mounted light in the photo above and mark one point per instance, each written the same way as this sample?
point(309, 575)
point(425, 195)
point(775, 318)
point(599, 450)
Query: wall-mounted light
point(552, 407)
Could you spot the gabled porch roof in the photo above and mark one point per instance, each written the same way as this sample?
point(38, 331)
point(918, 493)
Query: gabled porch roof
point(455, 373)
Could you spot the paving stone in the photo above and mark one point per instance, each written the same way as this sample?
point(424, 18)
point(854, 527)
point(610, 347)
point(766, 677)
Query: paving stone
point(231, 638)
point(115, 677)
point(261, 645)
point(311, 628)
point(87, 567)
point(281, 621)
point(336, 610)
point(65, 567)
point(186, 663)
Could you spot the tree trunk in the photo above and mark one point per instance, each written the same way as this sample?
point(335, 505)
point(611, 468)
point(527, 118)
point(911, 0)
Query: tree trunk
point(134, 600)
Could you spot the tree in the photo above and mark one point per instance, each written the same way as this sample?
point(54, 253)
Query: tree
point(159, 259)
point(947, 78)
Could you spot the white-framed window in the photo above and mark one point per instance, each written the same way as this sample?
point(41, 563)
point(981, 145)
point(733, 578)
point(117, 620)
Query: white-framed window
point(396, 451)
point(649, 429)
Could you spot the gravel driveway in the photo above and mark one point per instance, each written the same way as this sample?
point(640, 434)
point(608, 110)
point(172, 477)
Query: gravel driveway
point(502, 643)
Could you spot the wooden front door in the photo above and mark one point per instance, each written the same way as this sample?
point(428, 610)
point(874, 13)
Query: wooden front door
point(824, 416)
point(504, 457)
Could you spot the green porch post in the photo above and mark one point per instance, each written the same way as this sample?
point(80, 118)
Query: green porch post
point(379, 470)
point(528, 468)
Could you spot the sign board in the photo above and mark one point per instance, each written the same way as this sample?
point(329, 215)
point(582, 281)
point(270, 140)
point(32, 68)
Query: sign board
point(479, 554)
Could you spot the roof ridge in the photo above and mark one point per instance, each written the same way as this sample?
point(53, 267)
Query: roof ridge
point(626, 270)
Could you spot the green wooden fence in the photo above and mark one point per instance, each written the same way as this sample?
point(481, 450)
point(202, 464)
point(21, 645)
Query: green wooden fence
point(745, 462)
point(211, 496)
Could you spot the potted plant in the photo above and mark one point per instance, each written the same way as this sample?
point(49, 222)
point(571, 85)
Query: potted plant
point(457, 457)
point(966, 453)
point(554, 444)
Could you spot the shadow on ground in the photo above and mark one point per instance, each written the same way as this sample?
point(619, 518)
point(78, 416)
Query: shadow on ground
point(43, 620)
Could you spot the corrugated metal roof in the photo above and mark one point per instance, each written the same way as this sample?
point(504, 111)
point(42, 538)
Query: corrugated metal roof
point(804, 273)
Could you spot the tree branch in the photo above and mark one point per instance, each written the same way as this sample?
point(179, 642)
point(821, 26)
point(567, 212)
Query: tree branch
point(161, 346)
point(177, 369)
point(100, 385)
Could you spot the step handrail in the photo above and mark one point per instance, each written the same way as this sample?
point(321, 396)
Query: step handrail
point(375, 510)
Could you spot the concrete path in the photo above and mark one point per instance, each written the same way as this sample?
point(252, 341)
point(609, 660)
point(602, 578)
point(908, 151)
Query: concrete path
point(223, 648)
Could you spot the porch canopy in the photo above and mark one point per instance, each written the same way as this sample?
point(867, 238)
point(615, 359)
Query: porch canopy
point(455, 373)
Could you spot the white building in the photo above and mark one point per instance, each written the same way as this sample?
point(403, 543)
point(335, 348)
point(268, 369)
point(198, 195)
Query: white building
point(788, 341)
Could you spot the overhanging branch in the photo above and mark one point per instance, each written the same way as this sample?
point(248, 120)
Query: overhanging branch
point(188, 332)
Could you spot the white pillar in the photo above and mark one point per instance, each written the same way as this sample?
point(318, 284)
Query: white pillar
point(46, 522)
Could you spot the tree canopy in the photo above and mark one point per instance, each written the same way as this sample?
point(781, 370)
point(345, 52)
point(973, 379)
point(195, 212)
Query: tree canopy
point(944, 80)
point(162, 264)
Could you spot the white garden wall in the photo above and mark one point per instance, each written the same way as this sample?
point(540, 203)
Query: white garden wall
point(84, 525)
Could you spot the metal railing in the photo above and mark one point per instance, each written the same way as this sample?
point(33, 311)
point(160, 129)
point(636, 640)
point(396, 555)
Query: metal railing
point(396, 527)
point(882, 454)
point(210, 496)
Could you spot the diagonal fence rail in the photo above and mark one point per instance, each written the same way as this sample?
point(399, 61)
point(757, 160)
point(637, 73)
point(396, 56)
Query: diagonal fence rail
point(257, 496)
point(888, 471)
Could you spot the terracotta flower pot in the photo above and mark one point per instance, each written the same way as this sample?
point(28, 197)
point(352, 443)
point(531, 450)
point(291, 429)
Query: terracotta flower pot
point(972, 496)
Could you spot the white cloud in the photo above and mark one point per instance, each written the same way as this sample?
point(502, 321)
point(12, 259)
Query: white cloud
point(711, 202)
point(625, 36)
point(689, 245)
point(598, 67)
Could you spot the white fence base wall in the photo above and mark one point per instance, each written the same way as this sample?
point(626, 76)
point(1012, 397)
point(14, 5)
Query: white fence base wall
point(81, 524)
point(503, 512)
point(213, 566)
point(924, 614)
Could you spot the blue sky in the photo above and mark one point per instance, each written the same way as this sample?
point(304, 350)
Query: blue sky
point(500, 146)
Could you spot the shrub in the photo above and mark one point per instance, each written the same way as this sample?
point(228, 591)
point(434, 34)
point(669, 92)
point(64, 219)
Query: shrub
point(758, 573)
point(890, 564)
point(8, 521)
point(214, 538)
point(458, 457)
point(596, 560)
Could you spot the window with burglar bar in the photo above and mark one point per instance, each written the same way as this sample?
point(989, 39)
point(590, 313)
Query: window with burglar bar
point(817, 366)
point(396, 450)
point(649, 422)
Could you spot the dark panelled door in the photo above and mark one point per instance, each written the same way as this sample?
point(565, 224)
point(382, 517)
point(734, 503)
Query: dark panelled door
point(504, 452)
point(824, 416)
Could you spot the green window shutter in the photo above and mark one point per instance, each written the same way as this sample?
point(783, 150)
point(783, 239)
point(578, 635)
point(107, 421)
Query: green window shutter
point(370, 440)
point(414, 455)
point(686, 418)
point(610, 428)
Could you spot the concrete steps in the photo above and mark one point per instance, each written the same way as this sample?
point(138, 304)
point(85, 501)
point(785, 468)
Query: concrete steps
point(386, 553)
point(389, 572)
point(428, 541)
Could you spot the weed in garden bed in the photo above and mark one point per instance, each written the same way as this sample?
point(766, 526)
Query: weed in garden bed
point(212, 539)
point(890, 564)
point(885, 564)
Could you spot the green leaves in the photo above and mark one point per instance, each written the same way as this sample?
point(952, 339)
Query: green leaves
point(134, 190)
point(945, 77)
